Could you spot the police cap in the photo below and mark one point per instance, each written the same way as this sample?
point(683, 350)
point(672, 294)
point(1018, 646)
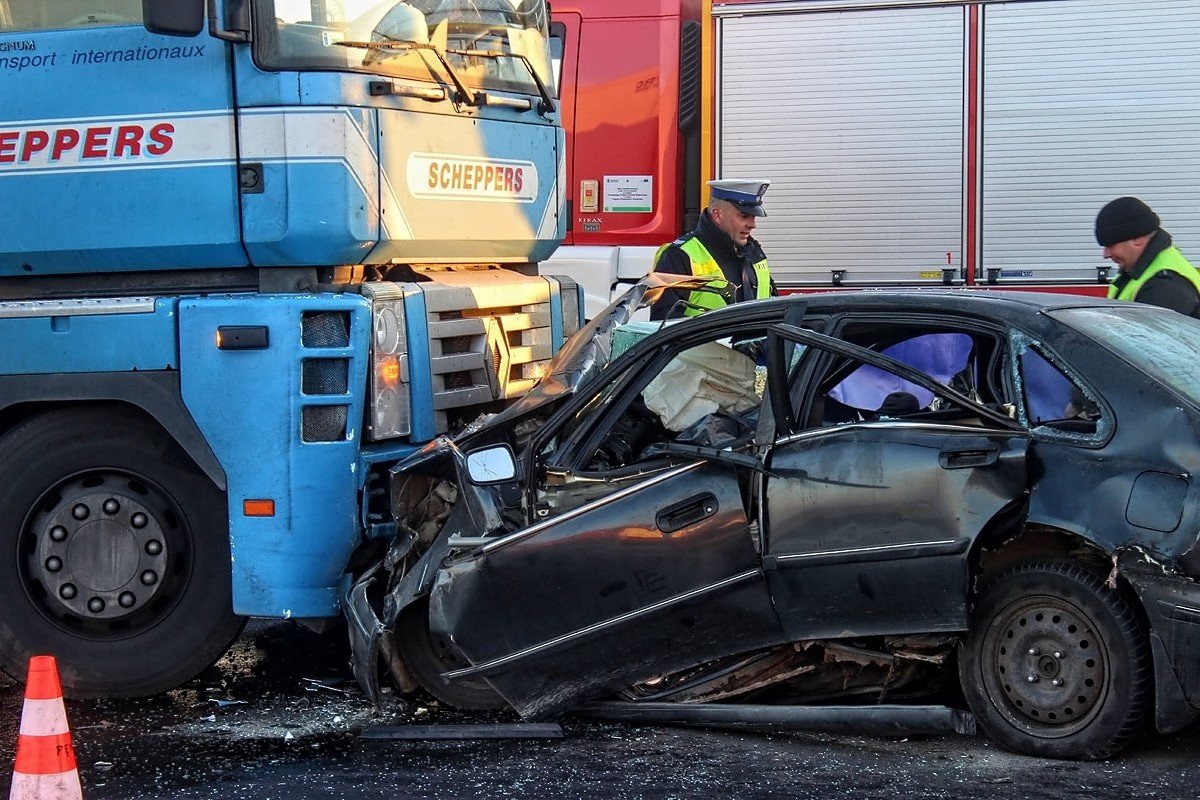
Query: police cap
point(744, 193)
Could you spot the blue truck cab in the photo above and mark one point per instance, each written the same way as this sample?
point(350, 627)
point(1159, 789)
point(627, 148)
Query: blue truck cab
point(252, 253)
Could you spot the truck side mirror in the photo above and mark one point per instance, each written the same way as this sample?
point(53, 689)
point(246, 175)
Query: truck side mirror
point(173, 17)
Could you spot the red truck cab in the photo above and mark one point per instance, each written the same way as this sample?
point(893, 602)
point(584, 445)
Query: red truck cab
point(629, 75)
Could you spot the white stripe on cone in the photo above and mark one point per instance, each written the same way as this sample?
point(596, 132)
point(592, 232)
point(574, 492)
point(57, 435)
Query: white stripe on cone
point(43, 718)
point(60, 786)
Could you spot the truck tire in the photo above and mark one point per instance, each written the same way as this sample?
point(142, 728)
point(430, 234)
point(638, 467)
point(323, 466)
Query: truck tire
point(114, 555)
point(1056, 664)
point(427, 656)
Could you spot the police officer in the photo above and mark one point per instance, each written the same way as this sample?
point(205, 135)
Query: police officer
point(1152, 270)
point(720, 247)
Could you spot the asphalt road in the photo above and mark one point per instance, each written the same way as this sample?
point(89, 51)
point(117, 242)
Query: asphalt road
point(280, 717)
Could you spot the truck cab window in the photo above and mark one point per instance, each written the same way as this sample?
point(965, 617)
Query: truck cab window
point(367, 35)
point(36, 15)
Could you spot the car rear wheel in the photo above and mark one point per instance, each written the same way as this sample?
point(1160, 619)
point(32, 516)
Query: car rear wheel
point(1056, 664)
point(427, 655)
point(114, 555)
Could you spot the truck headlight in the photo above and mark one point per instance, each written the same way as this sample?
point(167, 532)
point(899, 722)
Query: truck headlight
point(390, 411)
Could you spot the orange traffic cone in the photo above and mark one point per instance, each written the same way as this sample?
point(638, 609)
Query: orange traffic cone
point(45, 768)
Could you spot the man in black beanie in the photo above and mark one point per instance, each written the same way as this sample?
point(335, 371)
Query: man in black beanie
point(1152, 270)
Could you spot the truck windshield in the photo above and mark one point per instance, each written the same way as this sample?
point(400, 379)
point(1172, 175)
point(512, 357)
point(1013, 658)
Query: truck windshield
point(305, 34)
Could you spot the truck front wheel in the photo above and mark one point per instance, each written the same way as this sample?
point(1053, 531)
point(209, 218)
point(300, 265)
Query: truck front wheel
point(114, 555)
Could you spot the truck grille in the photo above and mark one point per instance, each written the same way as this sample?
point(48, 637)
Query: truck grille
point(489, 340)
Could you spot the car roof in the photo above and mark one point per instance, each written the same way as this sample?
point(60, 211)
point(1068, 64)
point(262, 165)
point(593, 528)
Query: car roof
point(987, 302)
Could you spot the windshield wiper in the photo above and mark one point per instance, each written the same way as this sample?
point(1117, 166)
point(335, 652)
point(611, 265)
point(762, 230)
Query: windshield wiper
point(546, 105)
point(461, 93)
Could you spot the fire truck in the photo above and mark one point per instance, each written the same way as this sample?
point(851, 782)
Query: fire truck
point(252, 253)
point(909, 142)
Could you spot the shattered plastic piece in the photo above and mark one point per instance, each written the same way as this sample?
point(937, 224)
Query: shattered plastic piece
point(315, 684)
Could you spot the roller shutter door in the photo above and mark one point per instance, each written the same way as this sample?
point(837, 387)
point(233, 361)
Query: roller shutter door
point(1084, 101)
point(856, 117)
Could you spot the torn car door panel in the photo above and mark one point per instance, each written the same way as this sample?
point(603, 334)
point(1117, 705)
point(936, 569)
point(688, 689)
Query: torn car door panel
point(603, 596)
point(855, 512)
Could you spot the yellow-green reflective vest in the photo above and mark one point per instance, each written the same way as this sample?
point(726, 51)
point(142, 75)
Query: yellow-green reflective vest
point(705, 266)
point(1171, 260)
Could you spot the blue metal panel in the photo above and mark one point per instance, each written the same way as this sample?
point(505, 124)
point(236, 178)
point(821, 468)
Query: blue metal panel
point(117, 153)
point(554, 220)
point(319, 203)
point(258, 88)
point(46, 338)
point(249, 405)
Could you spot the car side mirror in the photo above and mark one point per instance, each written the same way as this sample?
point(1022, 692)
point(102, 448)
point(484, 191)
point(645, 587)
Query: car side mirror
point(491, 465)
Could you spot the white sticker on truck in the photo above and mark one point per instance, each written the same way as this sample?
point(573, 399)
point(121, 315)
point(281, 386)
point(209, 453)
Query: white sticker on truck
point(628, 194)
point(452, 177)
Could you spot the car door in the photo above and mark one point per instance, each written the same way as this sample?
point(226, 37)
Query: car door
point(868, 523)
point(650, 567)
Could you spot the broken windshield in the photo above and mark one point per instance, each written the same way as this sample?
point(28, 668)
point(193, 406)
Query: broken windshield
point(1163, 344)
point(305, 34)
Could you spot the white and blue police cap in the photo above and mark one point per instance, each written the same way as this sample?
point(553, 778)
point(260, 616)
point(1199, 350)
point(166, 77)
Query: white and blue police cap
point(745, 194)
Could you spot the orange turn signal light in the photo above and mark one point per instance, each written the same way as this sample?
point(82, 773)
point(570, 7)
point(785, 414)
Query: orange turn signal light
point(389, 371)
point(258, 508)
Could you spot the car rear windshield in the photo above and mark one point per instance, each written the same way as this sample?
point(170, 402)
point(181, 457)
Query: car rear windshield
point(1162, 343)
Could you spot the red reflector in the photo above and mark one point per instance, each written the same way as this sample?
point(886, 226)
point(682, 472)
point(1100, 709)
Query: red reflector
point(258, 508)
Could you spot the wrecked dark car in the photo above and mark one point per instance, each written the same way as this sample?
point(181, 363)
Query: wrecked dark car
point(986, 499)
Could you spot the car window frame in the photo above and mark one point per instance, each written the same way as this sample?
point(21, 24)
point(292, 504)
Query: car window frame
point(632, 377)
point(1020, 340)
point(818, 357)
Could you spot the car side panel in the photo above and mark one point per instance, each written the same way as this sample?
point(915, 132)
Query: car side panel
point(869, 526)
point(610, 594)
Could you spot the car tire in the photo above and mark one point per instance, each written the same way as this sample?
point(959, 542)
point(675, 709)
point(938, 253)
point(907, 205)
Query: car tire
point(1056, 664)
point(428, 655)
point(114, 555)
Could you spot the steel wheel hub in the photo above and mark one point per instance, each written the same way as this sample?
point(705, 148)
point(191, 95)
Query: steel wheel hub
point(1049, 668)
point(99, 550)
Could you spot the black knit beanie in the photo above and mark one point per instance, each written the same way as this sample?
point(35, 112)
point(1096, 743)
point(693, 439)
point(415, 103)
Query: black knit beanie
point(1123, 219)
